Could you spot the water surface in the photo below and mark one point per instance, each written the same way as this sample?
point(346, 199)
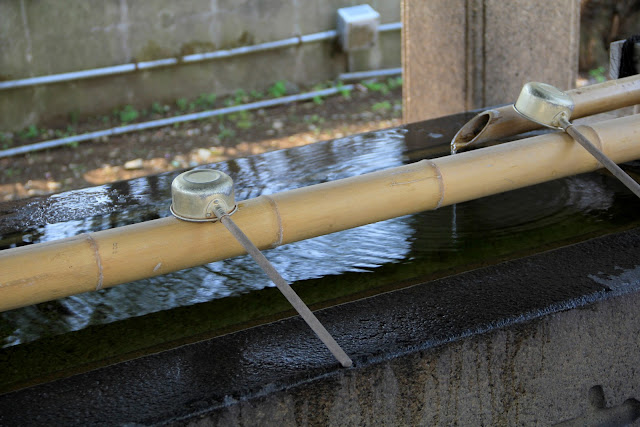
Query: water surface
point(354, 262)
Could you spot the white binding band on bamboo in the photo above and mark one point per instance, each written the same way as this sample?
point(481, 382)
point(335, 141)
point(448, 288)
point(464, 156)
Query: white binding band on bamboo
point(46, 271)
point(504, 121)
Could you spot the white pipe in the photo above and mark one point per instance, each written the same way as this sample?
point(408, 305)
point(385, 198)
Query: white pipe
point(362, 75)
point(198, 57)
point(171, 120)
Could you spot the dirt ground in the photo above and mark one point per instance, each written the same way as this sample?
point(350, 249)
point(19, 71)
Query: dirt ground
point(190, 144)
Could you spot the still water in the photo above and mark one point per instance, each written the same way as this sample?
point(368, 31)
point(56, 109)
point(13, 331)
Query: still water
point(425, 245)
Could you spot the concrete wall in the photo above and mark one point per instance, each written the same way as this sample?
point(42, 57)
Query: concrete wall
point(466, 54)
point(540, 373)
point(49, 37)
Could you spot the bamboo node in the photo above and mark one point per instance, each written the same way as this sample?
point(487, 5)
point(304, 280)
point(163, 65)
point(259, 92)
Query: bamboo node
point(96, 253)
point(440, 182)
point(280, 236)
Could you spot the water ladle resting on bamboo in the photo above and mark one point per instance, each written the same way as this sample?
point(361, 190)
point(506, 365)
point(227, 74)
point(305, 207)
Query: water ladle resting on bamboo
point(546, 105)
point(502, 122)
point(205, 195)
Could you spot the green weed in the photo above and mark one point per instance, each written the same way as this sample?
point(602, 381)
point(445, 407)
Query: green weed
point(346, 93)
point(226, 133)
point(240, 97)
point(598, 74)
point(256, 94)
point(381, 106)
point(128, 114)
point(31, 132)
point(376, 86)
point(278, 89)
point(313, 119)
point(394, 82)
point(244, 124)
point(206, 100)
point(182, 104)
point(5, 140)
point(156, 108)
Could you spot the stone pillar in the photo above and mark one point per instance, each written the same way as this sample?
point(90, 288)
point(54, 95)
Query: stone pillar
point(465, 54)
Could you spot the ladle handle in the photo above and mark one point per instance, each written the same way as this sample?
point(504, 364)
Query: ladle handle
point(600, 156)
point(286, 290)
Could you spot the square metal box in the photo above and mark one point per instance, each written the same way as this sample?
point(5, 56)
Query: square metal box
point(358, 27)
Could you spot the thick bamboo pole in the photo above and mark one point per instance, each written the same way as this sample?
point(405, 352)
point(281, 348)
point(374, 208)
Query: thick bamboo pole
point(504, 121)
point(41, 272)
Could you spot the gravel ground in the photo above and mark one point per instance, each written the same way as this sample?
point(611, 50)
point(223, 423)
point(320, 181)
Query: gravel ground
point(190, 144)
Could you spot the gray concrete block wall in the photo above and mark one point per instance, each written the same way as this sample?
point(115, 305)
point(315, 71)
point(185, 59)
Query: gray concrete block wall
point(536, 373)
point(50, 37)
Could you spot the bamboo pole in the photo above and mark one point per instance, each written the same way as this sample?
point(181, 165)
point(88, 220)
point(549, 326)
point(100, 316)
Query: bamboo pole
point(504, 121)
point(46, 271)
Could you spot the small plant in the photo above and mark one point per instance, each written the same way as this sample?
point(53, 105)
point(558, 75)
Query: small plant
point(376, 86)
point(206, 100)
point(5, 140)
point(226, 133)
point(240, 97)
point(256, 94)
point(318, 100)
point(381, 106)
point(30, 132)
point(241, 115)
point(394, 82)
point(156, 108)
point(278, 89)
point(314, 118)
point(73, 144)
point(598, 74)
point(182, 104)
point(244, 124)
point(346, 93)
point(242, 118)
point(128, 114)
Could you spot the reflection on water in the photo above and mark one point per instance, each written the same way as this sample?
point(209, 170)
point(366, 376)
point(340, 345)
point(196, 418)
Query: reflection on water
point(418, 243)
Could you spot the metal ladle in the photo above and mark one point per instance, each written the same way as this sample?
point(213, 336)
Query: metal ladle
point(550, 107)
point(204, 195)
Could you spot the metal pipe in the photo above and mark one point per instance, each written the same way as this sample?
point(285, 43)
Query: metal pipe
point(51, 270)
point(505, 121)
point(198, 57)
point(362, 75)
point(171, 120)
